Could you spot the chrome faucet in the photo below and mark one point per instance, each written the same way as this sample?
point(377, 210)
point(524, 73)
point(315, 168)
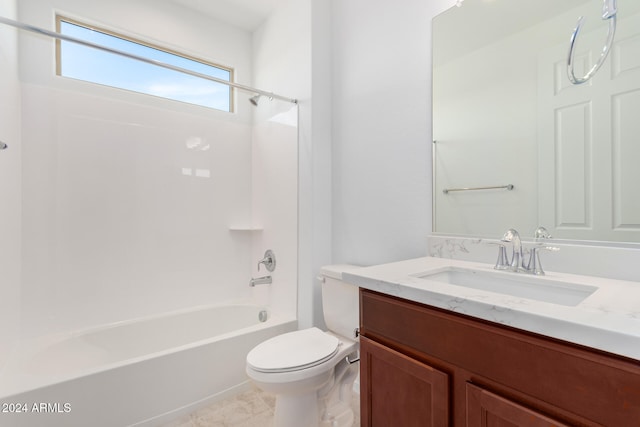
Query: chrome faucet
point(517, 264)
point(265, 280)
point(513, 237)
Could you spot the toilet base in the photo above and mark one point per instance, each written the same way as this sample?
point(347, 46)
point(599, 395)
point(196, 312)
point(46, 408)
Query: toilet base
point(336, 410)
point(297, 411)
point(330, 406)
point(304, 411)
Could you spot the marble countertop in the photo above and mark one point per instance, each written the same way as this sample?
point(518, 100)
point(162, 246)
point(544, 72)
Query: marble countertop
point(608, 319)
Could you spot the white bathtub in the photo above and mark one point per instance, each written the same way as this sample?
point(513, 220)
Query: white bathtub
point(139, 373)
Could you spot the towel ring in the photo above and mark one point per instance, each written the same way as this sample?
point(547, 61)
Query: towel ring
point(609, 12)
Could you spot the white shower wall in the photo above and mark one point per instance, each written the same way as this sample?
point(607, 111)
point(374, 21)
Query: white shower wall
point(125, 213)
point(10, 184)
point(129, 199)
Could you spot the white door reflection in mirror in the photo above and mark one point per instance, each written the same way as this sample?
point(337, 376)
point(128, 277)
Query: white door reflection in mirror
point(588, 141)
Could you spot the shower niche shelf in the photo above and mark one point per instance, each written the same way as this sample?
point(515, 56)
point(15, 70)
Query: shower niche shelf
point(246, 228)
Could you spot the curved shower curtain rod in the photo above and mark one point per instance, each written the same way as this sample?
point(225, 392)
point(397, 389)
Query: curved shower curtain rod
point(59, 36)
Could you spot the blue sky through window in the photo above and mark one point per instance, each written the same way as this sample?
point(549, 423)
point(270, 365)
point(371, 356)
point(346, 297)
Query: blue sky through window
point(97, 66)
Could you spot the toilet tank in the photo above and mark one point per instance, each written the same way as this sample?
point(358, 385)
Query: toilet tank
point(340, 304)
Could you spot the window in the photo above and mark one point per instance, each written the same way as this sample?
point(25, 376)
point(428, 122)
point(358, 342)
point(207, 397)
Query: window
point(93, 65)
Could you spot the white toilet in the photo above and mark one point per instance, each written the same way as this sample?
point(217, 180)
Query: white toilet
point(312, 372)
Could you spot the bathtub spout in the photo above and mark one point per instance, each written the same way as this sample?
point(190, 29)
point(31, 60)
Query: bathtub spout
point(266, 280)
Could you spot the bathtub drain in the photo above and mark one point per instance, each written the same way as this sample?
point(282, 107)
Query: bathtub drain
point(262, 316)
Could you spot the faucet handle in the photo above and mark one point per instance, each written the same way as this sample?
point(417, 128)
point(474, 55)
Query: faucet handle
point(535, 266)
point(541, 233)
point(510, 235)
point(269, 260)
point(502, 263)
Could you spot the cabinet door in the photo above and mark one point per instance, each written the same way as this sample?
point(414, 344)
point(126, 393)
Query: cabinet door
point(485, 409)
point(397, 390)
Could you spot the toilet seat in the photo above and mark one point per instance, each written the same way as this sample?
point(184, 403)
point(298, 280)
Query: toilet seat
point(293, 351)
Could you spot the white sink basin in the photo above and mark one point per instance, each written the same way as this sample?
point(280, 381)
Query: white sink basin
point(514, 284)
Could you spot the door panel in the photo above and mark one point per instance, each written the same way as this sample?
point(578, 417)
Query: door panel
point(399, 391)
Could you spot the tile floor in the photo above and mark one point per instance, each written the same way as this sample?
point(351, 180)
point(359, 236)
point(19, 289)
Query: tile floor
point(253, 408)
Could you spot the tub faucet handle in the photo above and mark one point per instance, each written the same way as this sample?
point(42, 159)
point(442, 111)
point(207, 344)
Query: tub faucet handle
point(269, 260)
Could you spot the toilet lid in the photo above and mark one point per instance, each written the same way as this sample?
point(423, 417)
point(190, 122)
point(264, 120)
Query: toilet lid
point(293, 351)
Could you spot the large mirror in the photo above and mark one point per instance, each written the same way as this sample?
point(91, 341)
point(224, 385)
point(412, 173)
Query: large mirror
point(505, 115)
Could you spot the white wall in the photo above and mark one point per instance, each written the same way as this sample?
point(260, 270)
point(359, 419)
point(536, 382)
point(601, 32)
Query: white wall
point(381, 129)
point(316, 153)
point(10, 183)
point(128, 198)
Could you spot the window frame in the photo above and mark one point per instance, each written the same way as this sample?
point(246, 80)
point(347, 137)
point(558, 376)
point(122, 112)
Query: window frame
point(58, 54)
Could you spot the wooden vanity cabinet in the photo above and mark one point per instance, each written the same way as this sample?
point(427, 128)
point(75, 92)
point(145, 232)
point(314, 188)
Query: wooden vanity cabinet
point(423, 366)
